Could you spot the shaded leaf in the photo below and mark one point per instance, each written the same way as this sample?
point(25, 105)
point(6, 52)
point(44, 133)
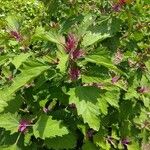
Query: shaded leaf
point(46, 127)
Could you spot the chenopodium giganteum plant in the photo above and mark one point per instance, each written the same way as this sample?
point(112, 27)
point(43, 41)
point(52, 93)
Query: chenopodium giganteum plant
point(82, 83)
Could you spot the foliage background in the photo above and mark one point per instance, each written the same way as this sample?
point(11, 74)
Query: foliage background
point(106, 106)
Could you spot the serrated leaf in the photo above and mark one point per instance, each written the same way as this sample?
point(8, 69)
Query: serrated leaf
point(131, 93)
point(65, 142)
point(19, 59)
point(87, 21)
point(63, 58)
point(85, 99)
point(112, 97)
point(103, 106)
point(40, 33)
point(105, 29)
point(4, 58)
point(10, 122)
point(24, 77)
point(46, 127)
point(3, 104)
point(100, 60)
point(27, 74)
point(100, 140)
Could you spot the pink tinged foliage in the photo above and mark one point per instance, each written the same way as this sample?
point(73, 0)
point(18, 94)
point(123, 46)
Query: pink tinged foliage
point(74, 73)
point(23, 125)
point(125, 141)
point(122, 2)
point(118, 57)
point(16, 35)
point(89, 134)
point(117, 7)
point(70, 43)
point(144, 90)
point(110, 140)
point(115, 79)
point(76, 54)
point(71, 47)
point(72, 106)
point(45, 110)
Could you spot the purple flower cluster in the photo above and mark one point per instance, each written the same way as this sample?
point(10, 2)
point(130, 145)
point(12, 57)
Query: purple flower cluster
point(125, 141)
point(115, 79)
point(71, 43)
point(74, 73)
point(143, 90)
point(16, 35)
point(74, 54)
point(71, 47)
point(23, 125)
point(117, 7)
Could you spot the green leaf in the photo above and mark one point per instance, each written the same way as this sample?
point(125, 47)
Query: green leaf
point(148, 65)
point(53, 37)
point(28, 73)
point(11, 147)
point(10, 122)
point(89, 146)
point(95, 33)
point(85, 99)
point(103, 106)
point(4, 58)
point(106, 28)
point(3, 104)
point(87, 21)
point(46, 127)
point(100, 60)
point(65, 142)
point(133, 146)
point(24, 77)
point(112, 97)
point(100, 140)
point(131, 93)
point(12, 23)
point(63, 59)
point(19, 59)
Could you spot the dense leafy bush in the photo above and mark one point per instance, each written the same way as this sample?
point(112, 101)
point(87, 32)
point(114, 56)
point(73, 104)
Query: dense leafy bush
point(74, 74)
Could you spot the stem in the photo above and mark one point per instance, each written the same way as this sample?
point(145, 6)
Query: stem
point(18, 138)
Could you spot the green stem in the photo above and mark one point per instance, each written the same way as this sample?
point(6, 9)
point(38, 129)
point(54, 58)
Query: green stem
point(17, 138)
